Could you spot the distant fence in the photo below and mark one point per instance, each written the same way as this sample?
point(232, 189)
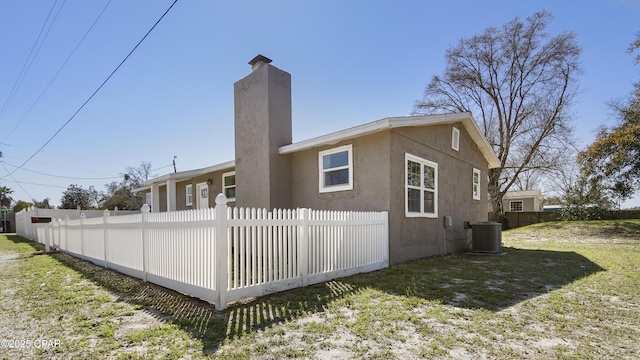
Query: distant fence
point(226, 254)
point(27, 229)
point(624, 215)
point(524, 218)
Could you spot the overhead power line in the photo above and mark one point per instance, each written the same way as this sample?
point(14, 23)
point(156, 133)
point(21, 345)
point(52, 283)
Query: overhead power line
point(56, 74)
point(65, 155)
point(16, 181)
point(97, 90)
point(64, 177)
point(74, 177)
point(32, 183)
point(29, 60)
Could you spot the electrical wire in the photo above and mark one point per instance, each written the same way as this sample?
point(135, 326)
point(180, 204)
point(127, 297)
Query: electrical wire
point(32, 183)
point(30, 59)
point(56, 74)
point(75, 178)
point(64, 177)
point(106, 176)
point(16, 181)
point(97, 90)
point(26, 61)
point(64, 155)
point(19, 183)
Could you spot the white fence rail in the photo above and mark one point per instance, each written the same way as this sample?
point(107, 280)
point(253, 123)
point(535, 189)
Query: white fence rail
point(225, 254)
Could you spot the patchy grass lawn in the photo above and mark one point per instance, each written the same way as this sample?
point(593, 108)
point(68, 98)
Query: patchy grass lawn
point(562, 290)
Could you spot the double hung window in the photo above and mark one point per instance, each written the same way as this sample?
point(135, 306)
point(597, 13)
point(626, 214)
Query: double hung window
point(229, 185)
point(421, 187)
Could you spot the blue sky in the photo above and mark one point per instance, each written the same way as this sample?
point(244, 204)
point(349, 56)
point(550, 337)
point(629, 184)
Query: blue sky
point(351, 62)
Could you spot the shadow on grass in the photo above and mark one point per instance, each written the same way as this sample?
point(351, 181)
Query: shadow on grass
point(492, 282)
point(461, 280)
point(628, 230)
point(617, 228)
point(28, 244)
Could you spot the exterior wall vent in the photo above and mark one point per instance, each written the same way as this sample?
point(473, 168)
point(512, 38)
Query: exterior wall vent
point(455, 139)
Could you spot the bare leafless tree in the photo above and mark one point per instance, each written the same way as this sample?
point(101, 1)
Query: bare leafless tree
point(520, 83)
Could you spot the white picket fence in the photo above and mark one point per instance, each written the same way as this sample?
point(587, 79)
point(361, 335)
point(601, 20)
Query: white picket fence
point(226, 254)
point(26, 229)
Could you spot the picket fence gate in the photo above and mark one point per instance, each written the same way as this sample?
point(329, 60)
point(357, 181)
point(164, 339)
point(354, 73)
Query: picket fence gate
point(225, 254)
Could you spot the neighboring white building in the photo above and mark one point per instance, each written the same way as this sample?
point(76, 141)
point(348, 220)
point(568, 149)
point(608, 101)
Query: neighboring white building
point(518, 201)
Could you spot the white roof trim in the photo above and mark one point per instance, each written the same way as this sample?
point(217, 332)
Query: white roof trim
point(519, 194)
point(188, 174)
point(142, 188)
point(395, 122)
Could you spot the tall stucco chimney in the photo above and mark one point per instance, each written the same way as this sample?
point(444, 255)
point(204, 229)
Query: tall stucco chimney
point(262, 102)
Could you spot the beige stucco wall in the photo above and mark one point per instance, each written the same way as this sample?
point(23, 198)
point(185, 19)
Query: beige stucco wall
point(214, 189)
point(181, 193)
point(379, 185)
point(412, 238)
point(370, 177)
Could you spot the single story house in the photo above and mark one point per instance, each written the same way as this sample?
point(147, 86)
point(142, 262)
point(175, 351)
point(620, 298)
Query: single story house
point(429, 172)
point(518, 201)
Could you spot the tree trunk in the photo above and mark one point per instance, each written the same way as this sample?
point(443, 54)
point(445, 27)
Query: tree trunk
point(495, 196)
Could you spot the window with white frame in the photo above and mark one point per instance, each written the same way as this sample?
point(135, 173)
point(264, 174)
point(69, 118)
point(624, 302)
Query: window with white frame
point(189, 194)
point(336, 169)
point(476, 184)
point(515, 205)
point(421, 187)
point(229, 185)
point(148, 198)
point(455, 139)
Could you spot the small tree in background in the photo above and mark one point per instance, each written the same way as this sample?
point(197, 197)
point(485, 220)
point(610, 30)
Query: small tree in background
point(76, 196)
point(44, 204)
point(580, 198)
point(586, 200)
point(21, 204)
point(5, 199)
point(121, 195)
point(614, 157)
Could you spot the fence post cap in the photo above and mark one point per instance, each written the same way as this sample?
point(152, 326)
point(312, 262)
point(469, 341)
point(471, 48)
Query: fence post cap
point(145, 208)
point(106, 212)
point(66, 217)
point(221, 199)
point(83, 216)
